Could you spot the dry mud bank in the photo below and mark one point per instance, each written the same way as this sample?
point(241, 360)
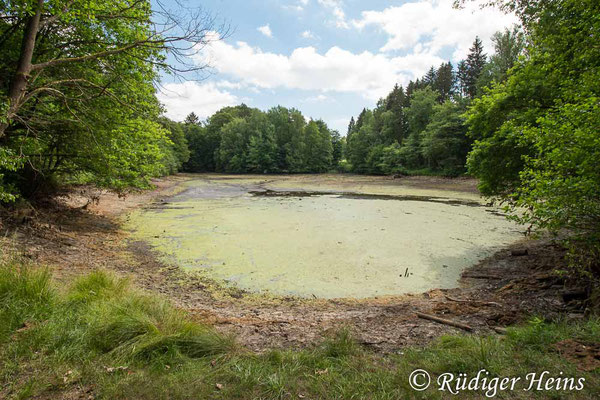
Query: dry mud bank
point(501, 290)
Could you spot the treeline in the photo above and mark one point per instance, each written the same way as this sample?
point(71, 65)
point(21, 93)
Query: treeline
point(418, 129)
point(421, 128)
point(242, 139)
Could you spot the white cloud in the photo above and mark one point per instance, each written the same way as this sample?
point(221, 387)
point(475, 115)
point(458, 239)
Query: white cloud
point(265, 30)
point(299, 6)
point(321, 98)
point(434, 25)
point(336, 7)
point(308, 35)
point(204, 99)
point(339, 70)
point(229, 85)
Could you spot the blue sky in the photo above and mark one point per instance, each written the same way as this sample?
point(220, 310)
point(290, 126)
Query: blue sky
point(328, 58)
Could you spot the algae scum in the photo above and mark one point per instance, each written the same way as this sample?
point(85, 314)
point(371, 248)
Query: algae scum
point(267, 237)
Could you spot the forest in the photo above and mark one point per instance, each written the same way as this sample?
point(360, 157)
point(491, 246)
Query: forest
point(420, 129)
point(79, 106)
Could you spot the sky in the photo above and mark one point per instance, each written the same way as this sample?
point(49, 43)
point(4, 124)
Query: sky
point(327, 58)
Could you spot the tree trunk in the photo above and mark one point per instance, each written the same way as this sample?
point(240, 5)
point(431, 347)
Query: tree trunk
point(18, 84)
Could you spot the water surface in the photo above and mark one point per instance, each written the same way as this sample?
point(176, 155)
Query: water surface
point(279, 238)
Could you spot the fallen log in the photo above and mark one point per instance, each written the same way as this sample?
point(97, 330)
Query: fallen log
point(519, 252)
point(484, 303)
point(500, 330)
point(444, 321)
point(481, 276)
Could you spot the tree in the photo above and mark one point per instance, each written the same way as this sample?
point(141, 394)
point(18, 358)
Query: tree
point(508, 46)
point(337, 148)
point(201, 149)
point(360, 141)
point(262, 150)
point(430, 77)
point(77, 75)
point(233, 150)
point(445, 82)
point(544, 118)
point(462, 78)
point(289, 125)
point(351, 126)
point(176, 150)
point(191, 119)
point(420, 110)
point(98, 35)
point(445, 143)
point(318, 149)
point(475, 63)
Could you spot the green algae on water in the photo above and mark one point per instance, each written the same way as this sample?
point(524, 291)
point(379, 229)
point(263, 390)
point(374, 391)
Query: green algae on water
point(327, 244)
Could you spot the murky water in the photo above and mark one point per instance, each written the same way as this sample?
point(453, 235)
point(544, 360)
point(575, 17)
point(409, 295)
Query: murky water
point(328, 244)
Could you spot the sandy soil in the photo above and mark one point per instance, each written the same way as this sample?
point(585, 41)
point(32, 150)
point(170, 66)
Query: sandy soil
point(73, 236)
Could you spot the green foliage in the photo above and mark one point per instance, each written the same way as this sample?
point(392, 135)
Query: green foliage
point(537, 134)
point(508, 46)
point(475, 64)
point(97, 117)
point(420, 129)
point(177, 150)
point(240, 139)
point(444, 144)
point(420, 110)
point(9, 162)
point(317, 146)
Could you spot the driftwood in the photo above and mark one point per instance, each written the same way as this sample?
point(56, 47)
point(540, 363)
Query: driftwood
point(444, 321)
point(519, 252)
point(483, 303)
point(500, 330)
point(481, 276)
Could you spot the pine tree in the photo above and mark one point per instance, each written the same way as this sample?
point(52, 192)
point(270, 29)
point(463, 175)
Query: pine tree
point(360, 119)
point(462, 78)
point(476, 61)
point(396, 99)
point(351, 126)
point(430, 77)
point(192, 119)
point(445, 82)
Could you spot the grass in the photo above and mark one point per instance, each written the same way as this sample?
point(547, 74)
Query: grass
point(101, 337)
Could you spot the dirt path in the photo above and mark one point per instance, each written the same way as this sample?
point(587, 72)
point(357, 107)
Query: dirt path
point(73, 238)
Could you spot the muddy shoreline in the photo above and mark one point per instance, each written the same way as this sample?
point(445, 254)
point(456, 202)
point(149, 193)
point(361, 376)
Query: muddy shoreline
point(73, 236)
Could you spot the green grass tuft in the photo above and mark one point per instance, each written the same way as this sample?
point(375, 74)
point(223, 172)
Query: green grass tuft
point(25, 296)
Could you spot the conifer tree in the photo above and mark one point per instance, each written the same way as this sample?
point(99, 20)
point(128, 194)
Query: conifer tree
point(476, 61)
point(445, 82)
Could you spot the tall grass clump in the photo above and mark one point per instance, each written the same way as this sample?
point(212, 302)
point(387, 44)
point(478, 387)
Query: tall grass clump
point(138, 326)
point(25, 296)
point(134, 326)
point(100, 314)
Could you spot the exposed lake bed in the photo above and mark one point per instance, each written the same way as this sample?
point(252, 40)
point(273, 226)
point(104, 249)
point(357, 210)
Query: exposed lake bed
point(336, 237)
point(75, 237)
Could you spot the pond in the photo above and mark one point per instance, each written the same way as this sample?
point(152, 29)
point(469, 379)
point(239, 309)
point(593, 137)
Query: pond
point(309, 239)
